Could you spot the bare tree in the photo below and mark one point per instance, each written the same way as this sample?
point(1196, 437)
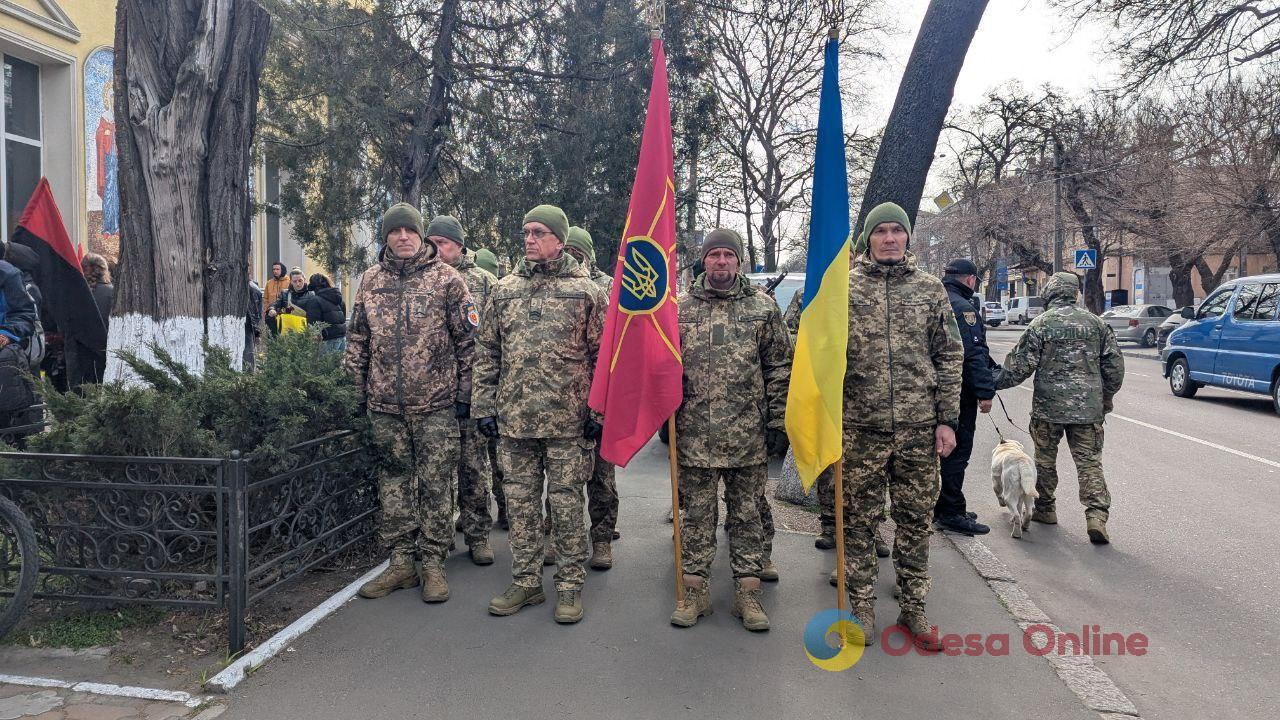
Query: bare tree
point(186, 93)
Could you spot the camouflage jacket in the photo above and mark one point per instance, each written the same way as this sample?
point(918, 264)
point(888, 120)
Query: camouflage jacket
point(410, 340)
point(905, 355)
point(791, 318)
point(737, 364)
point(480, 282)
point(602, 279)
point(1076, 361)
point(539, 337)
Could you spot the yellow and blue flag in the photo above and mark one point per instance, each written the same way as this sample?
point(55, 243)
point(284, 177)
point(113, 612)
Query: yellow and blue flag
point(816, 395)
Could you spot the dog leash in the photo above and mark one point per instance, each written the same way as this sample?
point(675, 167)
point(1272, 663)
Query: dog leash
point(1005, 410)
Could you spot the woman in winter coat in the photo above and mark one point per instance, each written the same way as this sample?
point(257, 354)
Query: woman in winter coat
point(291, 297)
point(325, 305)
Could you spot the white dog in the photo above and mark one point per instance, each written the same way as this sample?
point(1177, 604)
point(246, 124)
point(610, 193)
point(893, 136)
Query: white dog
point(1013, 476)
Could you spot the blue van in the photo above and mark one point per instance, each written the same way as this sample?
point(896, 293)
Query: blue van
point(1232, 340)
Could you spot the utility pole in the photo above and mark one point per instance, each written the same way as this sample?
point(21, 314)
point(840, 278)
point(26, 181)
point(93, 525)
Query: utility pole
point(1057, 206)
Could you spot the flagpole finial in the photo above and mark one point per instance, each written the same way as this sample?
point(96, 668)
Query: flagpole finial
point(832, 11)
point(655, 12)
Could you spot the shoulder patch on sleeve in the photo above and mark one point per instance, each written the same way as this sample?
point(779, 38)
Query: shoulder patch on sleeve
point(970, 318)
point(470, 314)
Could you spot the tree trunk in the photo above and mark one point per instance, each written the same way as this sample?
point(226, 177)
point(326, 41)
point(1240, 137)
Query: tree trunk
point(422, 156)
point(1094, 297)
point(770, 241)
point(186, 97)
point(911, 136)
point(1180, 279)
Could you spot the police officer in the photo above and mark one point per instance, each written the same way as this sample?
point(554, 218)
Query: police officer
point(976, 391)
point(1078, 369)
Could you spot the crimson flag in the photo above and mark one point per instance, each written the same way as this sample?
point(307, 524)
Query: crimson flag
point(637, 383)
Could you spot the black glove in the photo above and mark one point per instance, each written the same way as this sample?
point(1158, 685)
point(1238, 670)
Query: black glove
point(592, 430)
point(488, 426)
point(776, 441)
point(462, 410)
point(1108, 404)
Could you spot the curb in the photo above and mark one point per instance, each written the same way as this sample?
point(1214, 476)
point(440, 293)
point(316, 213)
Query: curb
point(128, 691)
point(236, 672)
point(1079, 673)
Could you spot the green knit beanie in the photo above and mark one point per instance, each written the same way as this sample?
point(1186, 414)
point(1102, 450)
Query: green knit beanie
point(580, 239)
point(882, 213)
point(722, 238)
point(486, 260)
point(447, 226)
point(551, 216)
point(402, 215)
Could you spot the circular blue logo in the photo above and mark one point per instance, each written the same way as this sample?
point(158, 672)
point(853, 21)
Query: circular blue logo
point(833, 640)
point(644, 279)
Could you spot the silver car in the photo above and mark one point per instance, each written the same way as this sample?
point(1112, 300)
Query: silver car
point(1137, 323)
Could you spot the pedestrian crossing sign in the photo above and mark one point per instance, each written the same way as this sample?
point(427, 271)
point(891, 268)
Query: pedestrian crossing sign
point(1087, 259)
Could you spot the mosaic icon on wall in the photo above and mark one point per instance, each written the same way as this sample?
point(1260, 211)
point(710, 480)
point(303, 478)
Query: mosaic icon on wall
point(101, 158)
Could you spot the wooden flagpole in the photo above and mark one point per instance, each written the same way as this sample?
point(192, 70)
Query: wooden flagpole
point(675, 510)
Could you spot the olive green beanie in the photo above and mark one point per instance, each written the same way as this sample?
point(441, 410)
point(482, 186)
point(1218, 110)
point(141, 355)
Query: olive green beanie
point(722, 238)
point(402, 215)
point(486, 260)
point(447, 226)
point(882, 213)
point(580, 239)
point(551, 216)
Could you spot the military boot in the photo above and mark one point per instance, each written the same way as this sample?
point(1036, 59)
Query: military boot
point(826, 540)
point(834, 579)
point(769, 573)
point(601, 556)
point(883, 549)
point(1098, 531)
point(516, 597)
point(481, 553)
point(399, 575)
point(746, 605)
point(915, 622)
point(503, 522)
point(865, 614)
point(435, 589)
point(568, 606)
point(1048, 517)
point(697, 602)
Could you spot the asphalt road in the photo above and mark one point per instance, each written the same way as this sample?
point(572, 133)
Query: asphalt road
point(397, 657)
point(1194, 551)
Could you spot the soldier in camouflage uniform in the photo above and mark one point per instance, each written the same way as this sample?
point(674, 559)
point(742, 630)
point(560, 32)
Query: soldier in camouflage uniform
point(1078, 369)
point(445, 232)
point(539, 338)
point(409, 350)
point(826, 482)
point(737, 364)
point(901, 405)
point(602, 487)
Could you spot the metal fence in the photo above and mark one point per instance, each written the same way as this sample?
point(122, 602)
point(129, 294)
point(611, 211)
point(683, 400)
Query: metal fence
point(191, 532)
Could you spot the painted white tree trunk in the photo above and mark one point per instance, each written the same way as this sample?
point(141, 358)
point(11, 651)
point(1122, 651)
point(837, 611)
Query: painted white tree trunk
point(186, 83)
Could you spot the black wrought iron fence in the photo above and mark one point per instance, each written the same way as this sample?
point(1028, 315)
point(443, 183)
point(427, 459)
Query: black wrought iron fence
point(191, 532)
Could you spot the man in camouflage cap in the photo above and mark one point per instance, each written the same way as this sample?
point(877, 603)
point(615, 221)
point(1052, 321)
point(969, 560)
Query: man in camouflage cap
point(410, 349)
point(539, 337)
point(1078, 369)
point(445, 232)
point(901, 404)
point(737, 364)
point(602, 487)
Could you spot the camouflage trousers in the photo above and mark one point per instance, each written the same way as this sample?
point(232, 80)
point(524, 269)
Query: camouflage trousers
point(699, 503)
point(499, 497)
point(1085, 442)
point(564, 463)
point(417, 485)
point(905, 462)
point(602, 500)
point(473, 484)
point(766, 521)
point(826, 485)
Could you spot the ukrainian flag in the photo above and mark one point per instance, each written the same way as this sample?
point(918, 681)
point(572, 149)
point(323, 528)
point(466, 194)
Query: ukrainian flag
point(816, 394)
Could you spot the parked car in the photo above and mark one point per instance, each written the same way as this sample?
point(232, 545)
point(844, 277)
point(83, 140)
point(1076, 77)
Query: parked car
point(1023, 310)
point(1171, 323)
point(790, 285)
point(993, 313)
point(1137, 323)
point(1232, 340)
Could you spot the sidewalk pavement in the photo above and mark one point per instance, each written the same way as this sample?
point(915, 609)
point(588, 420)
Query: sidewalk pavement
point(397, 657)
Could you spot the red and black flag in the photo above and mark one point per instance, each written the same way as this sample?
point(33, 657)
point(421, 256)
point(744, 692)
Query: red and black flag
point(66, 294)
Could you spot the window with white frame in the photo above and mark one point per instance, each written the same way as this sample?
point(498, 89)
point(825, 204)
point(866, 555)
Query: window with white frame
point(21, 152)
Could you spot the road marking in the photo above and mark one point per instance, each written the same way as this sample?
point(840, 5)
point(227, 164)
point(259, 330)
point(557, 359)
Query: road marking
point(1184, 436)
